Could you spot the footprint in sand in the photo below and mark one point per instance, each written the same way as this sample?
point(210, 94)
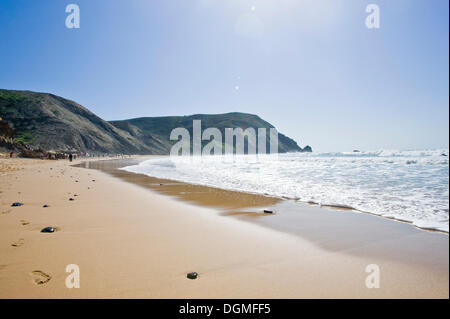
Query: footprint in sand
point(24, 222)
point(40, 277)
point(18, 242)
point(6, 212)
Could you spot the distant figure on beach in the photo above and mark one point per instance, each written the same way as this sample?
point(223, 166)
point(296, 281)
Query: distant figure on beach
point(70, 157)
point(11, 154)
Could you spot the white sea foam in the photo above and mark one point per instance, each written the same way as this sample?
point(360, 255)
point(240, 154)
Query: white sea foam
point(406, 185)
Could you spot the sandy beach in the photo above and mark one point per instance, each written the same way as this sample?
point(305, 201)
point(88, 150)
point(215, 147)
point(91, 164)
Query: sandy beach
point(137, 237)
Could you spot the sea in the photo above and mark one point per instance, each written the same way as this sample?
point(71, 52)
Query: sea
point(410, 186)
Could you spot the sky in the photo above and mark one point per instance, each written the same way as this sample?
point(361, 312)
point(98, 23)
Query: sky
point(310, 67)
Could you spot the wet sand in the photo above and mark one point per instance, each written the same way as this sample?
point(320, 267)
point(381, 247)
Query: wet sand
point(332, 228)
point(137, 242)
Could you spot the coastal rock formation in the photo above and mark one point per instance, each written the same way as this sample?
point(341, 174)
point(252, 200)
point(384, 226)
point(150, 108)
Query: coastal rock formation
point(307, 148)
point(6, 129)
point(48, 122)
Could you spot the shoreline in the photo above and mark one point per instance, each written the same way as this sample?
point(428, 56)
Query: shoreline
point(264, 198)
point(249, 207)
point(132, 242)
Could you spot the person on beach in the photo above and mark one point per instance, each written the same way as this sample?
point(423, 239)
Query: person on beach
point(11, 154)
point(70, 157)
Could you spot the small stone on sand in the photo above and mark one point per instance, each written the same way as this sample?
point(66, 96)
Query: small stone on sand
point(192, 275)
point(16, 204)
point(48, 230)
point(45, 206)
point(268, 211)
point(71, 198)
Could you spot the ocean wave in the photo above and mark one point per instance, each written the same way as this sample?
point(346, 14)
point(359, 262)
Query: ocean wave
point(385, 153)
point(406, 185)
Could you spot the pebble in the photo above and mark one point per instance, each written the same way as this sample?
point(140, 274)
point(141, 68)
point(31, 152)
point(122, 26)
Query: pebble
point(48, 230)
point(16, 204)
point(192, 275)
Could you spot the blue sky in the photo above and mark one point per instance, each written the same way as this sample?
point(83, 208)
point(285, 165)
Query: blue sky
point(310, 67)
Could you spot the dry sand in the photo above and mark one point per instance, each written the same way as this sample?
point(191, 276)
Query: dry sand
point(132, 242)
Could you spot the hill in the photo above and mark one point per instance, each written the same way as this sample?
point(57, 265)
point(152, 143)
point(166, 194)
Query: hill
point(148, 128)
point(51, 122)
